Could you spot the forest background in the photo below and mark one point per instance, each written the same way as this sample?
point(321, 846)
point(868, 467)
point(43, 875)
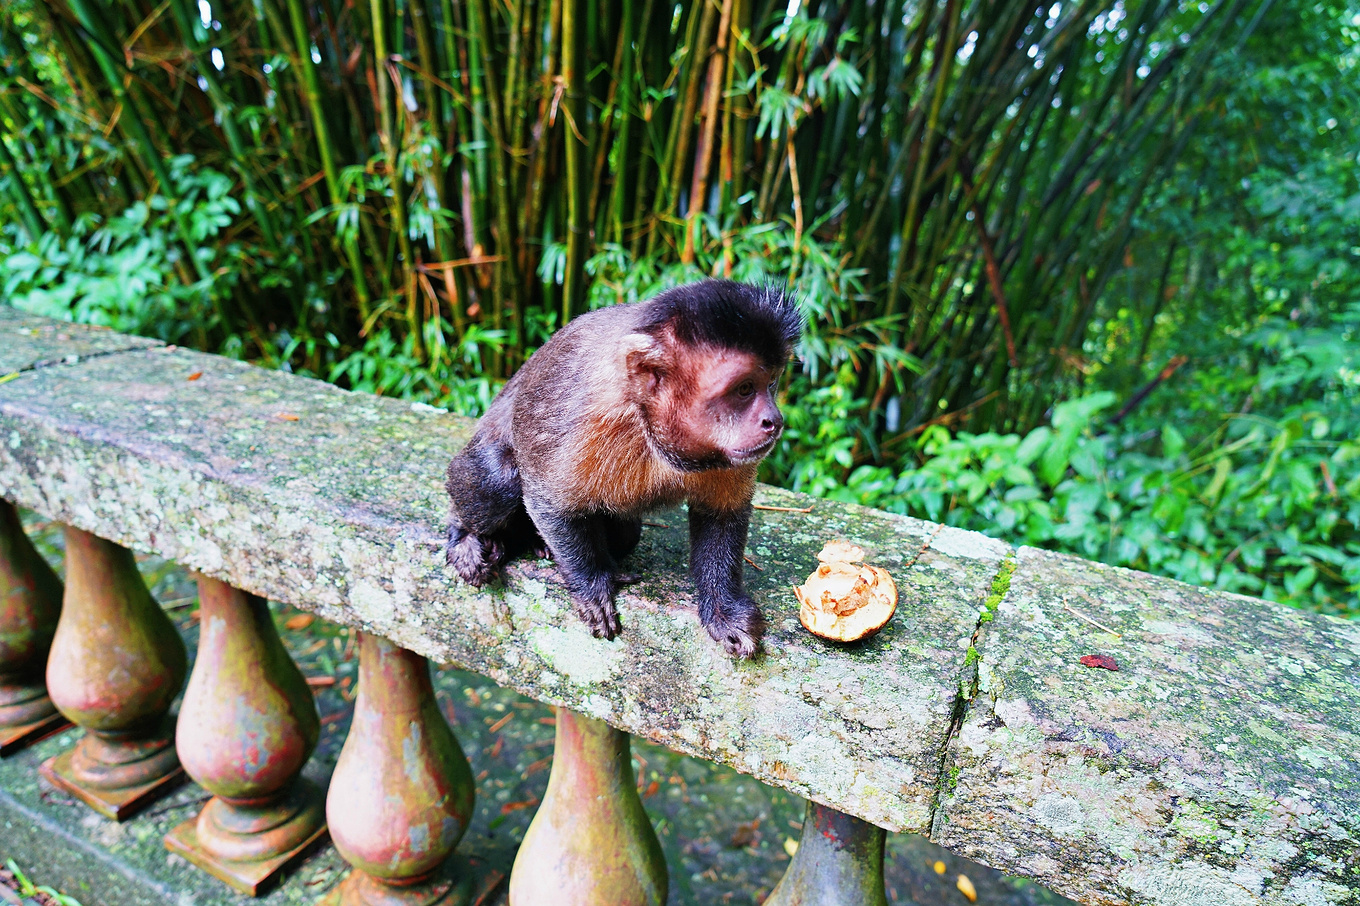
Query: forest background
point(1083, 275)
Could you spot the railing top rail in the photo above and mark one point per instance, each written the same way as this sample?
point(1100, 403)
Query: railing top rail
point(1217, 765)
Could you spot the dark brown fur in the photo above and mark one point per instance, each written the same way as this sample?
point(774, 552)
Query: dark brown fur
point(625, 410)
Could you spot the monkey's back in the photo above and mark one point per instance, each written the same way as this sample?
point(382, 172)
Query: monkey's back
point(573, 424)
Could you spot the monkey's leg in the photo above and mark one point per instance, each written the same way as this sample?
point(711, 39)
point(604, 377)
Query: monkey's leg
point(487, 509)
point(622, 533)
point(581, 549)
point(717, 541)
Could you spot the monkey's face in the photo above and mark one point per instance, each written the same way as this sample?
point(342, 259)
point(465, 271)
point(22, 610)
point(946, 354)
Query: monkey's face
point(715, 408)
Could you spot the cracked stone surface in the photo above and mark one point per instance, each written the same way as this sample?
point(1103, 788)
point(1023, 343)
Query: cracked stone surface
point(29, 341)
point(985, 733)
point(1216, 767)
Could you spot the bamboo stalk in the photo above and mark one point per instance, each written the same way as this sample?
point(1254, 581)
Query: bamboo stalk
point(627, 168)
point(517, 89)
point(929, 134)
point(576, 142)
point(703, 155)
point(434, 121)
point(31, 220)
point(312, 87)
point(507, 291)
point(690, 75)
point(600, 143)
point(389, 82)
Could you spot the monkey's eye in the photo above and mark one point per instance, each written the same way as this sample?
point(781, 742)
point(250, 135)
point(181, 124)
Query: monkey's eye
point(746, 389)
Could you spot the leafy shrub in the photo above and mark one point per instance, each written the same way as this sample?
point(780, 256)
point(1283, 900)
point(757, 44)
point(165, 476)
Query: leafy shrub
point(127, 271)
point(1263, 505)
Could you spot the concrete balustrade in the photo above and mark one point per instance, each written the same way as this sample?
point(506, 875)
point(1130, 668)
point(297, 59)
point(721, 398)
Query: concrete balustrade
point(246, 728)
point(839, 862)
point(1217, 764)
point(590, 841)
point(30, 604)
point(115, 667)
point(401, 796)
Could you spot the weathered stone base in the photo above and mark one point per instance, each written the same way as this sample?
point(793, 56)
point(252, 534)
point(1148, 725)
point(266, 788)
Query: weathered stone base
point(59, 842)
point(12, 739)
point(249, 877)
point(119, 804)
point(458, 882)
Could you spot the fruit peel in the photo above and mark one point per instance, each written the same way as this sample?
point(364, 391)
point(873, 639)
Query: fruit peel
point(844, 599)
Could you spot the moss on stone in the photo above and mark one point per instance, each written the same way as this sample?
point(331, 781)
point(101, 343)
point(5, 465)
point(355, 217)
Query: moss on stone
point(1001, 583)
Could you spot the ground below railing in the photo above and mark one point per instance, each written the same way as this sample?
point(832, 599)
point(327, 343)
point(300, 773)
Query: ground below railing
point(1217, 765)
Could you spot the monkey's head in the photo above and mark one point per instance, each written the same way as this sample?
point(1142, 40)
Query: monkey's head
point(704, 367)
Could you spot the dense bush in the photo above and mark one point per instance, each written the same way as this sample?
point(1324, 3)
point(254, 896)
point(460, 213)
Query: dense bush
point(1000, 219)
point(448, 172)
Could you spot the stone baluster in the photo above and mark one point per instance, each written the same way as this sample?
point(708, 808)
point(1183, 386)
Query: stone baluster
point(401, 795)
point(839, 863)
point(30, 603)
point(247, 726)
point(590, 841)
point(116, 664)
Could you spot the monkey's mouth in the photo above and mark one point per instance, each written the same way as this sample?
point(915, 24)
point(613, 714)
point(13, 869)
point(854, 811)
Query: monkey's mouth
point(753, 454)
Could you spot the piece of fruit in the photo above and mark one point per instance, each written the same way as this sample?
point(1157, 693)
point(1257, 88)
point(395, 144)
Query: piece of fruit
point(844, 599)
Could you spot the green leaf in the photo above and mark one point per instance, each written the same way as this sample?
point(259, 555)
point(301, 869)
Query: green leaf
point(1298, 583)
point(1173, 442)
point(1032, 445)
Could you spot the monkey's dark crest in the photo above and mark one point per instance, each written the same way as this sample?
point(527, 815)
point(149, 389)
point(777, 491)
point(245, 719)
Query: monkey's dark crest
point(627, 409)
point(722, 314)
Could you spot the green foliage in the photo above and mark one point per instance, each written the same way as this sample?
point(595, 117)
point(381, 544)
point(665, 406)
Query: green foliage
point(126, 271)
point(389, 368)
point(1262, 505)
point(408, 168)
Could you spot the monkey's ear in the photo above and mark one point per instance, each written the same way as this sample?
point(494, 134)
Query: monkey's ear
point(646, 356)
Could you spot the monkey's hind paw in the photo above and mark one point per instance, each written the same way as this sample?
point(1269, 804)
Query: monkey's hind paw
point(739, 632)
point(473, 558)
point(602, 619)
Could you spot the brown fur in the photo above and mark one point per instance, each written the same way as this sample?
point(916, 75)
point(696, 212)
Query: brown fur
point(625, 410)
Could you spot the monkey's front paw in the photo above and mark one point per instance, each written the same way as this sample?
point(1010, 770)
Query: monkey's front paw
point(738, 628)
point(473, 558)
point(600, 617)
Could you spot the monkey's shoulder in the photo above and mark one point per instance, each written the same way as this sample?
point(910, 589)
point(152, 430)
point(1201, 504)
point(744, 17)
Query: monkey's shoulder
point(588, 337)
point(575, 374)
point(604, 463)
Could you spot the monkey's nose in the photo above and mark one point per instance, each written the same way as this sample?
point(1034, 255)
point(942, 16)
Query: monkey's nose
point(770, 425)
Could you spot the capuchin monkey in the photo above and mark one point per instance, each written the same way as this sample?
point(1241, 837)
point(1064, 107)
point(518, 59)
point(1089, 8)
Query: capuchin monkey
point(625, 410)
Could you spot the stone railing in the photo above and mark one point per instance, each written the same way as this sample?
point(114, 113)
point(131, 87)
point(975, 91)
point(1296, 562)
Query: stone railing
point(1217, 765)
